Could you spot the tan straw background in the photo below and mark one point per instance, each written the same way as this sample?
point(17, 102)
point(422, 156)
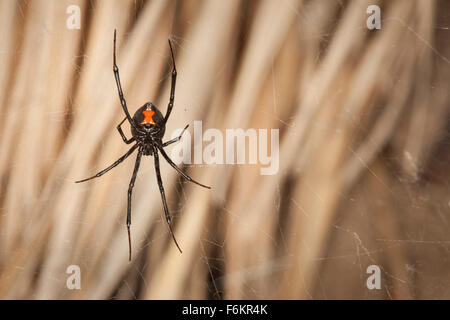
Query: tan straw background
point(364, 171)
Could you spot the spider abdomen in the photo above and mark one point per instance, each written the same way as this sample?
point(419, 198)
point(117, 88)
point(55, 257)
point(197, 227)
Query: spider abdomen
point(150, 124)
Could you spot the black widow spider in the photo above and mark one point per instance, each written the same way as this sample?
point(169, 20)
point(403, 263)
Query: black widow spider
point(147, 127)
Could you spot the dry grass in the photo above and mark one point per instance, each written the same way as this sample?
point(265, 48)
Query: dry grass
point(364, 150)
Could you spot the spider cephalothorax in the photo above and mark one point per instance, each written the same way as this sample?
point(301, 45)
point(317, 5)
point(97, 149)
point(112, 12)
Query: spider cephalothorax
point(147, 128)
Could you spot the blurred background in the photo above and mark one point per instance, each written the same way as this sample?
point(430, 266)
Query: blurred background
point(363, 179)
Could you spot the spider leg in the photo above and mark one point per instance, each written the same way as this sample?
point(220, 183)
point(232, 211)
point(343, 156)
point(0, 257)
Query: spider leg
point(179, 170)
point(130, 191)
point(163, 196)
point(119, 87)
point(124, 138)
point(165, 144)
point(111, 166)
point(172, 86)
